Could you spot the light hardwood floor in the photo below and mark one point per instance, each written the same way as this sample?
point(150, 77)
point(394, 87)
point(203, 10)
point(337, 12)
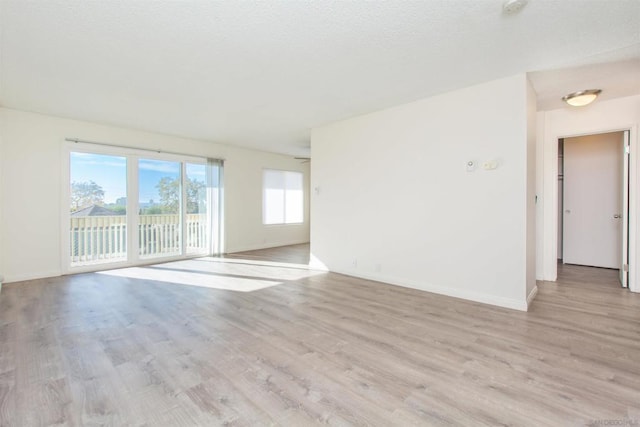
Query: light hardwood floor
point(308, 347)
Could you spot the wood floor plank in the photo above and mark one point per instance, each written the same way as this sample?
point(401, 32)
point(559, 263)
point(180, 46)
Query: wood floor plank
point(8, 410)
point(300, 347)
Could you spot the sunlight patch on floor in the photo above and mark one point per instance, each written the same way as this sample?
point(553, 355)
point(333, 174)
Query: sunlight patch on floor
point(219, 273)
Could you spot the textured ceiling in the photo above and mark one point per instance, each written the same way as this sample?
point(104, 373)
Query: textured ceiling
point(261, 74)
point(615, 79)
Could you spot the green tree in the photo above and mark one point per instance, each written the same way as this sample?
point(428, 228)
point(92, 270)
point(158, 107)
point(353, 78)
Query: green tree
point(195, 193)
point(151, 210)
point(84, 194)
point(117, 209)
point(169, 191)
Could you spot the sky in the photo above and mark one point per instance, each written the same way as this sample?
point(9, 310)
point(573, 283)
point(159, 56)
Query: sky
point(110, 172)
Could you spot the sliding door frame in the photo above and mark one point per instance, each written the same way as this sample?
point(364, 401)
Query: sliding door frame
point(133, 207)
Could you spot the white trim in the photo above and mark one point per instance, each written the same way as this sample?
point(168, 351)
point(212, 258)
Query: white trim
point(140, 153)
point(520, 305)
point(634, 209)
point(531, 296)
point(93, 268)
point(32, 276)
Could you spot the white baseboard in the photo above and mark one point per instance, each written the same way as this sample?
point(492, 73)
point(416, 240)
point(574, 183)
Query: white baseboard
point(34, 276)
point(264, 246)
point(43, 275)
point(520, 305)
point(532, 295)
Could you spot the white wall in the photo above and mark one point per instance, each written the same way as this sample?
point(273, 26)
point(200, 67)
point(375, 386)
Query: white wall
point(31, 185)
point(601, 116)
point(243, 201)
point(392, 200)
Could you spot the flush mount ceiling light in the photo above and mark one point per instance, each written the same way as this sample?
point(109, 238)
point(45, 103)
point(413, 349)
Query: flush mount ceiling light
point(581, 98)
point(513, 6)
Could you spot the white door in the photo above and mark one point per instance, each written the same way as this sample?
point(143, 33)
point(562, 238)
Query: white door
point(592, 217)
point(624, 267)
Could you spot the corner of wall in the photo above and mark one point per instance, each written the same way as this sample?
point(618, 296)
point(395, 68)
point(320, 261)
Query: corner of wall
point(531, 296)
point(2, 204)
point(540, 199)
point(531, 198)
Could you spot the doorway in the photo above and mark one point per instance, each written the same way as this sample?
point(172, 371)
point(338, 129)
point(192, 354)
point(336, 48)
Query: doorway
point(593, 189)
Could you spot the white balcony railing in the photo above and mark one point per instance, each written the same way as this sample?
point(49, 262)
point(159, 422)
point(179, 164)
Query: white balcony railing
point(98, 239)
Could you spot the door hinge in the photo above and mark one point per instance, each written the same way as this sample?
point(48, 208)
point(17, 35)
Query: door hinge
point(627, 149)
point(625, 267)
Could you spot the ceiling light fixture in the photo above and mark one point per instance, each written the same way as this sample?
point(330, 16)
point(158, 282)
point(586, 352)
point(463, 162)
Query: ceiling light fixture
point(581, 98)
point(511, 7)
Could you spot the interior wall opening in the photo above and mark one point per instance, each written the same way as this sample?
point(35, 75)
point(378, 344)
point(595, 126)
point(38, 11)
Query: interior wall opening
point(593, 201)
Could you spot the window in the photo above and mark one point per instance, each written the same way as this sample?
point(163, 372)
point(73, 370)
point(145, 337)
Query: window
point(126, 207)
point(282, 197)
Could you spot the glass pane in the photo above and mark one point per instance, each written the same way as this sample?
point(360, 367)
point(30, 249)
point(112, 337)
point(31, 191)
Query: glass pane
point(98, 225)
point(273, 198)
point(197, 224)
point(159, 198)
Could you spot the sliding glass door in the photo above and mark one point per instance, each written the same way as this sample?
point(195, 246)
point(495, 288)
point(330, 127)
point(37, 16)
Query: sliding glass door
point(98, 211)
point(162, 207)
point(159, 204)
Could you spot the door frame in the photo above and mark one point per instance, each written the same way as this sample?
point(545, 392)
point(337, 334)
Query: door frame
point(133, 258)
point(550, 196)
point(622, 206)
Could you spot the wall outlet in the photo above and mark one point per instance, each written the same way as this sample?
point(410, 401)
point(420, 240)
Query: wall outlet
point(490, 165)
point(354, 263)
point(378, 267)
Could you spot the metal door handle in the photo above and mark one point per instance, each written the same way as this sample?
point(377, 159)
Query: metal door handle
point(617, 216)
